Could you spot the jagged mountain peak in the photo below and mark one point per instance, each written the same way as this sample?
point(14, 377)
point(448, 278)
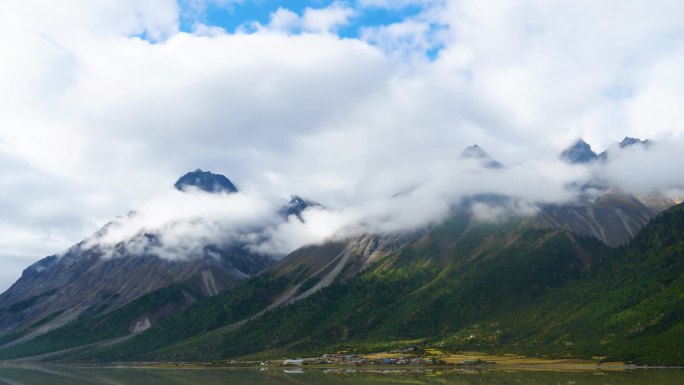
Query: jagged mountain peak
point(205, 181)
point(296, 206)
point(627, 141)
point(580, 152)
point(476, 152)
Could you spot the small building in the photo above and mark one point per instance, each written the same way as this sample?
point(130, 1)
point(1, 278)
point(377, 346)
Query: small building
point(297, 362)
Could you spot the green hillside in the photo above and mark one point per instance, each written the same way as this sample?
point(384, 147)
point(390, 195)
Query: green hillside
point(629, 307)
point(206, 314)
point(458, 275)
point(492, 287)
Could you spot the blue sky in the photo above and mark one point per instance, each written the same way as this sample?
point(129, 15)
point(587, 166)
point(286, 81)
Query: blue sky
point(231, 15)
point(366, 15)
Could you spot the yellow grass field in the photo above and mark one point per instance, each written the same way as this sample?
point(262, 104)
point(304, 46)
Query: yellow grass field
point(433, 352)
point(517, 360)
point(509, 360)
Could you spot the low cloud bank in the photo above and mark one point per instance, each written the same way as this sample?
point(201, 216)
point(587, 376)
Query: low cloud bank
point(179, 225)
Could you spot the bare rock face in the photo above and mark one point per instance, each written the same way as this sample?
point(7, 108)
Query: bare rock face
point(296, 207)
point(85, 282)
point(580, 152)
point(205, 181)
point(613, 218)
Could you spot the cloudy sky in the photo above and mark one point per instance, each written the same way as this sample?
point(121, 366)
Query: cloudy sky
point(106, 103)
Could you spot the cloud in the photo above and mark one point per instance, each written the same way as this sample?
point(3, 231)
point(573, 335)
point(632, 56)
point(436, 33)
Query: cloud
point(283, 20)
point(75, 20)
point(313, 20)
point(393, 4)
point(326, 19)
point(643, 170)
point(105, 104)
point(182, 224)
point(410, 37)
point(179, 225)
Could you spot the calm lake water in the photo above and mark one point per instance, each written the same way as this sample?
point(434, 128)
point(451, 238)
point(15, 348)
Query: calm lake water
point(30, 375)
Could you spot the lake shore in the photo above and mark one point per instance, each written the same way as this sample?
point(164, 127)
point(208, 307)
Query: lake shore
point(559, 367)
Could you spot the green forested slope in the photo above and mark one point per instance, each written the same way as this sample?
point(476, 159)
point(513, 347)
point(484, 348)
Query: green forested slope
point(458, 275)
point(629, 307)
point(492, 287)
point(497, 287)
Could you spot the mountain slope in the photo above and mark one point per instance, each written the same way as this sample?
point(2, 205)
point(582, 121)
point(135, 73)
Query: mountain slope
point(293, 278)
point(434, 287)
point(613, 218)
point(477, 286)
point(477, 270)
point(92, 293)
point(84, 283)
point(91, 278)
point(446, 247)
point(631, 305)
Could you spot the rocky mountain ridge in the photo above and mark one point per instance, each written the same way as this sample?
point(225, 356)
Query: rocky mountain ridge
point(580, 152)
point(90, 278)
point(463, 285)
point(89, 283)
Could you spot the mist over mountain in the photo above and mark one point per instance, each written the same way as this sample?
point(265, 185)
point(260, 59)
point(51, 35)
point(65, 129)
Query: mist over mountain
point(209, 236)
point(485, 269)
point(183, 223)
point(132, 256)
point(208, 209)
point(579, 152)
point(475, 152)
point(107, 103)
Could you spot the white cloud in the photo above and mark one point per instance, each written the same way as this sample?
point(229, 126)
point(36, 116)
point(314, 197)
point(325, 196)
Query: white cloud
point(406, 38)
point(326, 19)
point(284, 20)
point(194, 10)
point(554, 66)
point(647, 171)
point(312, 20)
point(393, 4)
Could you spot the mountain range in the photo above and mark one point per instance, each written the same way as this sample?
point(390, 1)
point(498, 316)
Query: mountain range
point(599, 276)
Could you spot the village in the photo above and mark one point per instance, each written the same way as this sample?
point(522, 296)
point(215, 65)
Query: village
point(395, 357)
point(411, 357)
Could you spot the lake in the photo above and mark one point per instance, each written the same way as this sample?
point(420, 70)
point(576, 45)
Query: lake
point(62, 375)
